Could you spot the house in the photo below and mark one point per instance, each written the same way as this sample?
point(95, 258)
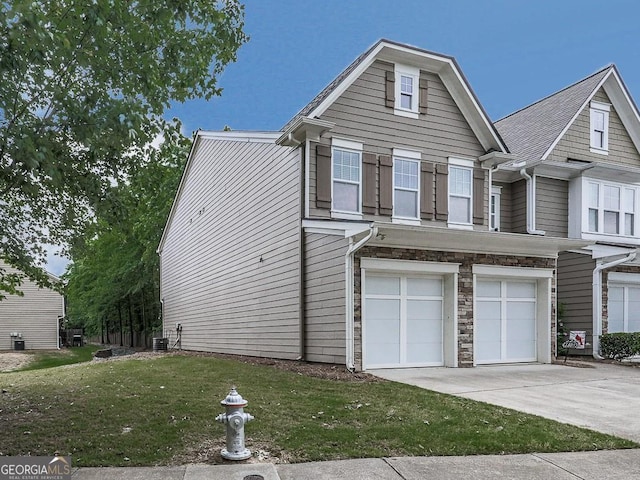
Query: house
point(580, 146)
point(30, 321)
point(386, 225)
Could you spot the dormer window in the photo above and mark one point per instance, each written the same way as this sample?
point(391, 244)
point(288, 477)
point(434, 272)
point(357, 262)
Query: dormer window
point(406, 95)
point(599, 113)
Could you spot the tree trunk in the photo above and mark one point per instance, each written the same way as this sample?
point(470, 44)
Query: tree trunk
point(130, 321)
point(120, 321)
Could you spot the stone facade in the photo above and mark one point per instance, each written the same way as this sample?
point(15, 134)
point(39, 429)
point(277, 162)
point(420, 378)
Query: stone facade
point(465, 289)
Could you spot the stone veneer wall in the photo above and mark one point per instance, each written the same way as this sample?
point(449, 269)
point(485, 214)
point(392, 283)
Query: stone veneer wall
point(605, 291)
point(465, 289)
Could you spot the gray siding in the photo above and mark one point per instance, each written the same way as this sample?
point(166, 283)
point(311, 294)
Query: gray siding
point(576, 142)
point(230, 263)
point(325, 298)
point(575, 292)
point(552, 206)
point(34, 315)
point(519, 207)
point(360, 114)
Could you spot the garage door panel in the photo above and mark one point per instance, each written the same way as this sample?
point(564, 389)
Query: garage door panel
point(505, 326)
point(521, 290)
point(402, 322)
point(379, 285)
point(424, 287)
point(634, 309)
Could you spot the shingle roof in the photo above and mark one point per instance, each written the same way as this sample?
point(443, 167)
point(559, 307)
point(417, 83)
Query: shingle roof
point(530, 132)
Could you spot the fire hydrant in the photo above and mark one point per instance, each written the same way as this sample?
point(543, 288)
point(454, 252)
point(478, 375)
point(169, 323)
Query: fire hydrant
point(235, 418)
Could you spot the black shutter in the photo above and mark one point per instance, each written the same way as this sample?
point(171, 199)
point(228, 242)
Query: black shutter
point(323, 177)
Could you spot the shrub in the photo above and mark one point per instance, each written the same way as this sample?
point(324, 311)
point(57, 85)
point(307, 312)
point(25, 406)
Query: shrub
point(620, 345)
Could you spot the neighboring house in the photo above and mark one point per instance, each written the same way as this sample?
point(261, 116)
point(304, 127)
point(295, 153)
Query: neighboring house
point(32, 318)
point(386, 225)
point(581, 149)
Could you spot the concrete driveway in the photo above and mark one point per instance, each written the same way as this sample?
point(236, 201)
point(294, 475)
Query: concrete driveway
point(604, 397)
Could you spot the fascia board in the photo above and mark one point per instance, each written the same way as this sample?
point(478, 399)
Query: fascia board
point(346, 82)
point(624, 106)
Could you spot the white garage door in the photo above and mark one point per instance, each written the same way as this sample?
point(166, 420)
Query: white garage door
point(402, 321)
point(505, 321)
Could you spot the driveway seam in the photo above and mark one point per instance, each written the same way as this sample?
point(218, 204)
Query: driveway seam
point(557, 466)
point(385, 460)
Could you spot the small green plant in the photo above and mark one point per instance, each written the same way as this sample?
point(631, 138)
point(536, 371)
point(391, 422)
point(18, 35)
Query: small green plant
point(619, 346)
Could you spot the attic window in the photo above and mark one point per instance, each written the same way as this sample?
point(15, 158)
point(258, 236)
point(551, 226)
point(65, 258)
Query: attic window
point(406, 91)
point(599, 115)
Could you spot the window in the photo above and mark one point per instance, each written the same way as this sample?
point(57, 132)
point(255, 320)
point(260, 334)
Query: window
point(494, 209)
point(407, 96)
point(611, 208)
point(624, 302)
point(460, 205)
point(599, 127)
point(346, 180)
point(405, 188)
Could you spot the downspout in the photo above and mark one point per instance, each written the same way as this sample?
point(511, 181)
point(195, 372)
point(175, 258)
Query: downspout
point(597, 300)
point(302, 252)
point(349, 294)
point(531, 204)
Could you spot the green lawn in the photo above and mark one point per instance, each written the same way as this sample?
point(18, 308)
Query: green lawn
point(67, 356)
point(162, 411)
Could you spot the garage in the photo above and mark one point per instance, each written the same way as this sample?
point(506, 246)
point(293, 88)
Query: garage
point(403, 321)
point(505, 321)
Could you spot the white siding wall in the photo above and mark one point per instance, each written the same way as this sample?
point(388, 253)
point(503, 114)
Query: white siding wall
point(34, 315)
point(230, 261)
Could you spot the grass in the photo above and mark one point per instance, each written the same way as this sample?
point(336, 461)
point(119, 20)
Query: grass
point(68, 356)
point(162, 411)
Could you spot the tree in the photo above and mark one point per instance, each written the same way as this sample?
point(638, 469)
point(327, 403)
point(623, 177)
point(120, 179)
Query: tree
point(83, 88)
point(116, 267)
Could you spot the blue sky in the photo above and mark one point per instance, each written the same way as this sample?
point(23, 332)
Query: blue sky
point(513, 52)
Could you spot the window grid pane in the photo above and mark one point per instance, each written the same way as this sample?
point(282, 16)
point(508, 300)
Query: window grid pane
point(406, 174)
point(594, 195)
point(611, 198)
point(629, 200)
point(460, 181)
point(346, 166)
point(629, 229)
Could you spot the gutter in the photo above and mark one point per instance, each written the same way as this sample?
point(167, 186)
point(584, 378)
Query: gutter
point(531, 204)
point(349, 294)
point(597, 299)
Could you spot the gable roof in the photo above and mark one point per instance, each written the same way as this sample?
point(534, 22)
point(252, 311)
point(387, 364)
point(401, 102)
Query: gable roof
point(533, 131)
point(444, 66)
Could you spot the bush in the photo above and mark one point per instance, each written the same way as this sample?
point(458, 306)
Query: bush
point(620, 345)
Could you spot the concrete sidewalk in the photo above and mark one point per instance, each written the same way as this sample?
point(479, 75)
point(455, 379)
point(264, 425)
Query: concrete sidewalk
point(600, 465)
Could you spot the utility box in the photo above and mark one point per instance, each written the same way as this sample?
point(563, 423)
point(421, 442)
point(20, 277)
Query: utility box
point(18, 344)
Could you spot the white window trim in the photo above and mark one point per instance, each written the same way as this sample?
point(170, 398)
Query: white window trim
point(496, 192)
point(513, 272)
point(604, 108)
point(413, 72)
point(468, 165)
point(351, 146)
point(584, 214)
point(414, 157)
